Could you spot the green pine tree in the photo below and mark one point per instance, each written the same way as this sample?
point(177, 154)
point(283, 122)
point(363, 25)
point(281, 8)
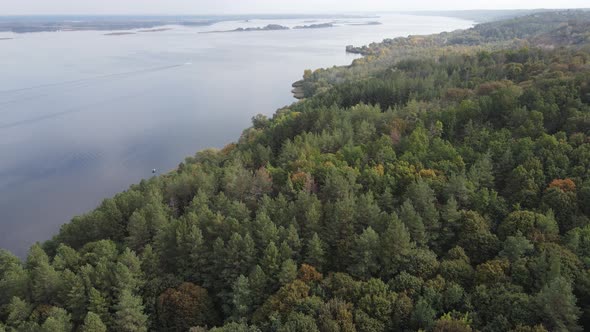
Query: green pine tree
point(93, 323)
point(129, 316)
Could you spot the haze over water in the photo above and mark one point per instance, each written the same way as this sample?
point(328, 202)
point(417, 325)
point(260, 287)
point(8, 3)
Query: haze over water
point(84, 115)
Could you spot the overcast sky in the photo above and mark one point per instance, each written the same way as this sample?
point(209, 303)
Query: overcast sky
point(19, 7)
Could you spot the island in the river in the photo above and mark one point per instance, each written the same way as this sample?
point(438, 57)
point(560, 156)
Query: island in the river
point(6, 38)
point(270, 27)
point(155, 30)
point(119, 33)
point(315, 26)
point(367, 23)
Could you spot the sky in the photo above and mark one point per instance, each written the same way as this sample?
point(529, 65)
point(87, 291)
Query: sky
point(171, 7)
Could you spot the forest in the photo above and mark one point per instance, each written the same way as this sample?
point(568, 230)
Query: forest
point(440, 183)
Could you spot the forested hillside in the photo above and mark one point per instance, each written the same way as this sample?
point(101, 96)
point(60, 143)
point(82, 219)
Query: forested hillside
point(448, 191)
point(547, 31)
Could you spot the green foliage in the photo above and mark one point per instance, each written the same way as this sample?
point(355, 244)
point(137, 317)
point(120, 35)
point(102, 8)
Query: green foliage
point(315, 252)
point(57, 320)
point(299, 322)
point(413, 222)
point(365, 254)
point(129, 316)
point(18, 312)
point(93, 323)
point(557, 306)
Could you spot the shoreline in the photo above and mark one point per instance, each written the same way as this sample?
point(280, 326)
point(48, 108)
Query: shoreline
point(33, 24)
point(119, 33)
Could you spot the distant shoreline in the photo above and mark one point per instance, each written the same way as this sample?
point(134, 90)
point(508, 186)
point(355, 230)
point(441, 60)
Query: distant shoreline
point(119, 33)
point(366, 23)
point(315, 26)
point(32, 24)
point(155, 30)
point(277, 27)
point(270, 27)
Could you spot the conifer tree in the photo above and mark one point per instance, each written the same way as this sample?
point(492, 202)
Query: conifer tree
point(93, 323)
point(315, 253)
point(129, 316)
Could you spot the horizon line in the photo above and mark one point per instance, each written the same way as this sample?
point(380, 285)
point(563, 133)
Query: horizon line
point(297, 13)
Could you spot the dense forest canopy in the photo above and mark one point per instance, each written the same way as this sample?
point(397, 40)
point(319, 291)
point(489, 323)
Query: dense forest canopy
point(441, 183)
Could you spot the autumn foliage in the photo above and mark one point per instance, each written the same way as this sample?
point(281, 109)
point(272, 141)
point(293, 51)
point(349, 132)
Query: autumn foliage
point(186, 306)
point(566, 185)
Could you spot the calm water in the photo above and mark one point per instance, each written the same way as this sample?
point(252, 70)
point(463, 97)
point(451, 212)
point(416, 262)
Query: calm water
point(84, 115)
